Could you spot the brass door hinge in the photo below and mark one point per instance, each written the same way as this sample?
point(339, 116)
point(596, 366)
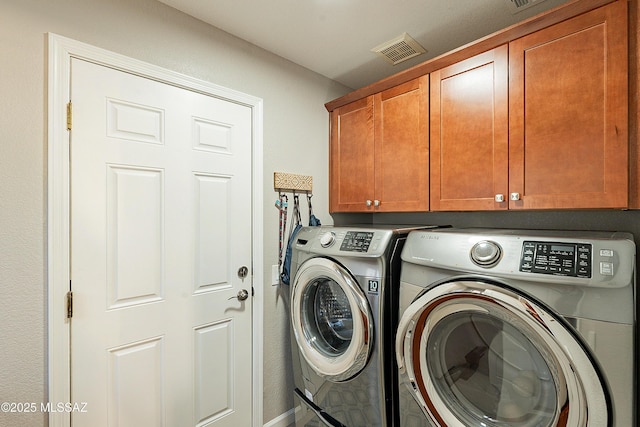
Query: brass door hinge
point(69, 115)
point(69, 305)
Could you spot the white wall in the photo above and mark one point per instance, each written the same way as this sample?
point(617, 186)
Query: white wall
point(295, 140)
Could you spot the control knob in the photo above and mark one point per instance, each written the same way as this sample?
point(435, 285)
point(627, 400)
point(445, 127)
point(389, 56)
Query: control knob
point(486, 253)
point(327, 239)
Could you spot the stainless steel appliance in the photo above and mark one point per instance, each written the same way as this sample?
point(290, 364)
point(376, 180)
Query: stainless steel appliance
point(517, 328)
point(344, 312)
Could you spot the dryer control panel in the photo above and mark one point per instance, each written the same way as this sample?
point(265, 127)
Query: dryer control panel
point(559, 258)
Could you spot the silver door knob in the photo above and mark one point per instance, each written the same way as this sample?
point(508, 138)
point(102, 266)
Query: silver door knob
point(243, 294)
point(499, 198)
point(515, 196)
point(376, 203)
point(369, 203)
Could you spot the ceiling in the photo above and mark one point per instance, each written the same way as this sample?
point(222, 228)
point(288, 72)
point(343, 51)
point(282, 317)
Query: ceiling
point(335, 37)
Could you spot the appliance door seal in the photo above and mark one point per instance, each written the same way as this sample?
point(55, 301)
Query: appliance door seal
point(331, 319)
point(474, 351)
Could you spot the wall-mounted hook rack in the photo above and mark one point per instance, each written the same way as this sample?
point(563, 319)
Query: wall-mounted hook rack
point(292, 183)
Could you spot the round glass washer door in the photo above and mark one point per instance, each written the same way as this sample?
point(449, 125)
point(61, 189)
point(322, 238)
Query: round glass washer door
point(331, 319)
point(482, 354)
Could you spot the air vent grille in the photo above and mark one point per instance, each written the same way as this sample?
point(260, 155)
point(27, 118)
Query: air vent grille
point(518, 5)
point(399, 49)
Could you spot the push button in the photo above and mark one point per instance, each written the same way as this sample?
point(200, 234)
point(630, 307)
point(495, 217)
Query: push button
point(606, 268)
point(606, 252)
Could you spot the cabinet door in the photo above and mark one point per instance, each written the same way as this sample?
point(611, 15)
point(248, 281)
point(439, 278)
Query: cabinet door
point(568, 113)
point(351, 166)
point(402, 147)
point(469, 133)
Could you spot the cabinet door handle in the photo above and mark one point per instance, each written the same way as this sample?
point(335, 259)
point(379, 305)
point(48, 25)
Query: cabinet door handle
point(499, 198)
point(515, 196)
point(369, 203)
point(376, 203)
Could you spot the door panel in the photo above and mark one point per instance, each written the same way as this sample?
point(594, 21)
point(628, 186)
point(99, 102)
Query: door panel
point(134, 224)
point(469, 133)
point(131, 365)
point(561, 154)
point(213, 381)
point(161, 190)
point(209, 190)
point(352, 157)
point(402, 147)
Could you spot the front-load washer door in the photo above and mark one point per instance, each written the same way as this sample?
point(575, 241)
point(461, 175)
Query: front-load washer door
point(331, 319)
point(476, 353)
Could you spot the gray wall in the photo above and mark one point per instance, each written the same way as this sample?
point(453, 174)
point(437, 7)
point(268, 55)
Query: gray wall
point(593, 220)
point(295, 140)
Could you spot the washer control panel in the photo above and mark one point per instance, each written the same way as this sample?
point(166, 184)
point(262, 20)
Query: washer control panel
point(356, 241)
point(337, 241)
point(558, 258)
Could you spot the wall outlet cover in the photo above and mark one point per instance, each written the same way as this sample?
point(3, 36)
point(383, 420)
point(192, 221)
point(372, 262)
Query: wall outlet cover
point(275, 275)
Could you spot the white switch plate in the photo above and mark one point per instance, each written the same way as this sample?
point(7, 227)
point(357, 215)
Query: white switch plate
point(275, 275)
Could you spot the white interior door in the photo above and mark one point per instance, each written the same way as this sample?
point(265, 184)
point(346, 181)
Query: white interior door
point(160, 225)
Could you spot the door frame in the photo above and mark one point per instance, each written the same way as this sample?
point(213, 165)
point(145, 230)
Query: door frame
point(60, 52)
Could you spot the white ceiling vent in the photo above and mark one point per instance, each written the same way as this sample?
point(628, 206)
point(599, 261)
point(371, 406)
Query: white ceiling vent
point(399, 49)
point(518, 5)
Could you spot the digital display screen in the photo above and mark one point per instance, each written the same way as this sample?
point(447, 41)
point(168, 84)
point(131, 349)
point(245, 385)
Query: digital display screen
point(563, 248)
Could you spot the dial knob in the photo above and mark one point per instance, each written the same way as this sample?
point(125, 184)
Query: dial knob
point(486, 253)
point(327, 239)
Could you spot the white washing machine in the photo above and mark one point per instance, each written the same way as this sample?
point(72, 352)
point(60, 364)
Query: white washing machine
point(343, 304)
point(517, 328)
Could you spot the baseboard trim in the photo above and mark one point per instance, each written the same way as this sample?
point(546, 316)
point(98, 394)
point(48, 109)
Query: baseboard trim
point(284, 420)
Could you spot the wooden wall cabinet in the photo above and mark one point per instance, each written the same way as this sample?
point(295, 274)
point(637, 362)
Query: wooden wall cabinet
point(379, 151)
point(469, 144)
point(557, 140)
point(532, 117)
point(568, 113)
point(351, 157)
